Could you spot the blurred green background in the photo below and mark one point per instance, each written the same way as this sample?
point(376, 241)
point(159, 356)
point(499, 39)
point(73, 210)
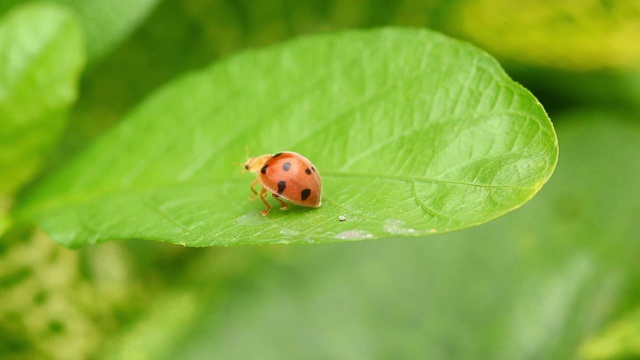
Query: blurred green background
point(558, 278)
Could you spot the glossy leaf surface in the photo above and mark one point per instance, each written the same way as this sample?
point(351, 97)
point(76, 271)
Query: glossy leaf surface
point(412, 132)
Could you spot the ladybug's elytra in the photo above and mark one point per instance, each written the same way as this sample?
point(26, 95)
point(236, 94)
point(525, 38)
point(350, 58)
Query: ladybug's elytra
point(287, 175)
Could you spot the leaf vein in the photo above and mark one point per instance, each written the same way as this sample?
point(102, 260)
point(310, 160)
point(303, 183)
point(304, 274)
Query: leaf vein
point(424, 206)
point(423, 180)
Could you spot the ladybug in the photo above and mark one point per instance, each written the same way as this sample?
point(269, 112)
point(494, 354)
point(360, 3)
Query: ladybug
point(286, 175)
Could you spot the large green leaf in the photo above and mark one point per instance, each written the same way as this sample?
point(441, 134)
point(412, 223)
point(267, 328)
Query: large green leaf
point(413, 133)
point(41, 57)
point(532, 285)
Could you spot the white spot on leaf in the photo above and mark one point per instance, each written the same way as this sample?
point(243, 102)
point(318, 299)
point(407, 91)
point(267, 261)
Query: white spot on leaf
point(353, 235)
point(395, 227)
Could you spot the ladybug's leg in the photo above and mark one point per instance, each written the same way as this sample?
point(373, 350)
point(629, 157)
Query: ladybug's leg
point(284, 204)
point(253, 190)
point(263, 197)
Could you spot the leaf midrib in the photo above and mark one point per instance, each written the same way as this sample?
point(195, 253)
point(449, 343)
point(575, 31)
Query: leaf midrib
point(92, 196)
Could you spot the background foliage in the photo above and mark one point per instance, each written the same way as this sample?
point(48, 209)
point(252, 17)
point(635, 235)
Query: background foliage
point(555, 279)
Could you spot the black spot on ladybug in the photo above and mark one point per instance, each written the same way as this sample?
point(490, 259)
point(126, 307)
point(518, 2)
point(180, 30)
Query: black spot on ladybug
point(264, 169)
point(281, 186)
point(304, 194)
point(276, 155)
point(286, 166)
point(314, 169)
point(308, 171)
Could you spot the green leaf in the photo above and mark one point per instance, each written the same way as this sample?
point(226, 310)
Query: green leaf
point(621, 340)
point(105, 23)
point(412, 132)
point(582, 35)
point(41, 58)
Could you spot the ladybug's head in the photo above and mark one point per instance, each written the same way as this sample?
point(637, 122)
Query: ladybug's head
point(254, 164)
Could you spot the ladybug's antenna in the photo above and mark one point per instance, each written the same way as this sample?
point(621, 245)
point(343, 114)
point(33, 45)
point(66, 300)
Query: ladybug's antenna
point(243, 165)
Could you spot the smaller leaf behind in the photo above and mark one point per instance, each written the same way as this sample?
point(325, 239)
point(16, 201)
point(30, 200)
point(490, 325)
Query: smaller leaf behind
point(104, 23)
point(41, 58)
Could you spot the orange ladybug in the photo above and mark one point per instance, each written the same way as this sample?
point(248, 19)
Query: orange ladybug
point(285, 175)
